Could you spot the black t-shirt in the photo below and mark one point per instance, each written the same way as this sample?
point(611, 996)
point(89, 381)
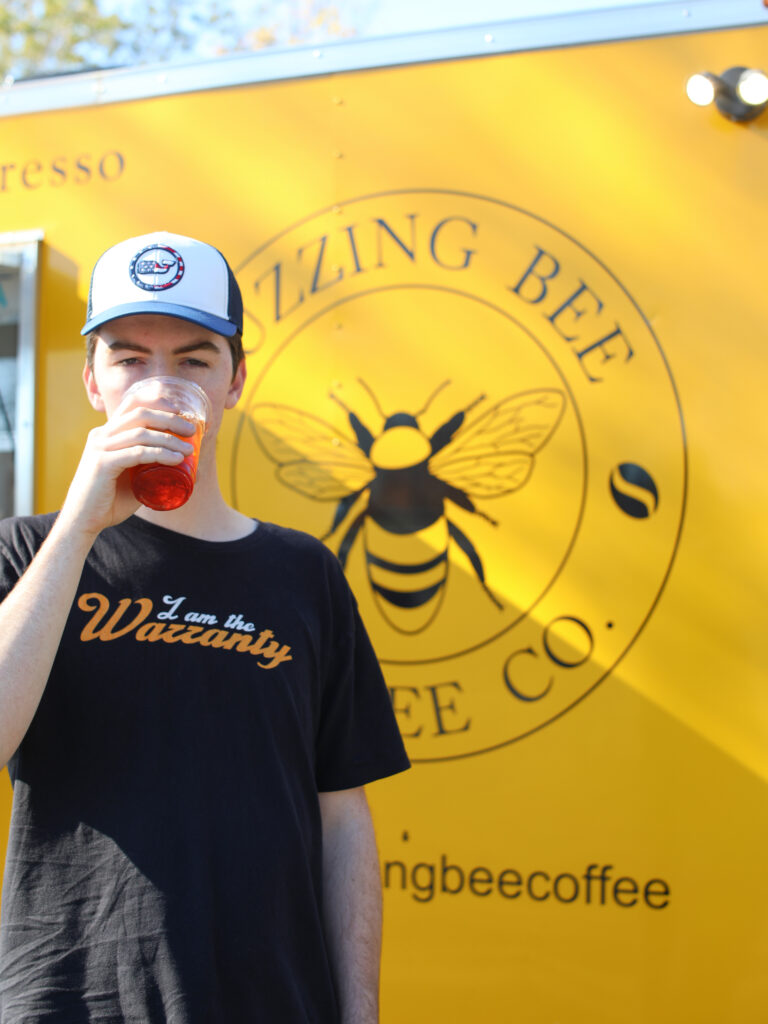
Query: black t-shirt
point(164, 861)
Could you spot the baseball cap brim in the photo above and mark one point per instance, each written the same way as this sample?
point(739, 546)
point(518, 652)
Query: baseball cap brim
point(194, 316)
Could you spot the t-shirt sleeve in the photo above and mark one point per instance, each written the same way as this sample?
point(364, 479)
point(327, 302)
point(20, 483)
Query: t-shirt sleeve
point(358, 739)
point(20, 540)
point(17, 549)
point(8, 571)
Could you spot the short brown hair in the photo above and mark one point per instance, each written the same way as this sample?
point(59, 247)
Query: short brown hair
point(235, 347)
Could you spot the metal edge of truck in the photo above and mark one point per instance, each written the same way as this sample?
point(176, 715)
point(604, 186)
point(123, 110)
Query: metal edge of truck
point(604, 25)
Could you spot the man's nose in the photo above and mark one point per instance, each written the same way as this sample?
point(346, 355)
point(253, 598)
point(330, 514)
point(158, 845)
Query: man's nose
point(163, 365)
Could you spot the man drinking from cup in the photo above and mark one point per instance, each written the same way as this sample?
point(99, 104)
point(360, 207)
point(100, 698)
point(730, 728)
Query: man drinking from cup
point(189, 708)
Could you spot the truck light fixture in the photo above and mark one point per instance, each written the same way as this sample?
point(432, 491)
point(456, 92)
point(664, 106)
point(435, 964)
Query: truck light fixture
point(753, 87)
point(740, 94)
point(701, 88)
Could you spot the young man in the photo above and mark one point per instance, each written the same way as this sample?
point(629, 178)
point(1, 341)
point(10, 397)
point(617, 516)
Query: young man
point(189, 707)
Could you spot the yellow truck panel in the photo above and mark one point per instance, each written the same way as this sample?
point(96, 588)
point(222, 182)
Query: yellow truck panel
point(549, 265)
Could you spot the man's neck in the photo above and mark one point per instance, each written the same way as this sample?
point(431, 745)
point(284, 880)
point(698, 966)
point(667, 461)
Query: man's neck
point(206, 515)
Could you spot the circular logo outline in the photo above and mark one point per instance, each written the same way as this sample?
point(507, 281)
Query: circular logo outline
point(684, 471)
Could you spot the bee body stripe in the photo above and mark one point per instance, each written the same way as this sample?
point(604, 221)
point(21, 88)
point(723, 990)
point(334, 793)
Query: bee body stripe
point(408, 598)
point(408, 568)
point(408, 573)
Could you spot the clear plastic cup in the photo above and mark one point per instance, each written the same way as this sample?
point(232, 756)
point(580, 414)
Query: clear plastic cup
point(167, 487)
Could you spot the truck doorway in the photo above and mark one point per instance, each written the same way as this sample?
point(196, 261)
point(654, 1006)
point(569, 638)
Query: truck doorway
point(19, 257)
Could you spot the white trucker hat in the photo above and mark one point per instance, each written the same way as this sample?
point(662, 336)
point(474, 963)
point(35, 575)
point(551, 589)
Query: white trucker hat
point(171, 275)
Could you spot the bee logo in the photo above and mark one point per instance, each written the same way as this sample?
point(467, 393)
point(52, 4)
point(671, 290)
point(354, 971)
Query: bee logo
point(405, 481)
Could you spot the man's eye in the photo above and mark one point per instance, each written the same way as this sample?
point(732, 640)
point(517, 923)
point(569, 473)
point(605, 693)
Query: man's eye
point(196, 362)
point(128, 361)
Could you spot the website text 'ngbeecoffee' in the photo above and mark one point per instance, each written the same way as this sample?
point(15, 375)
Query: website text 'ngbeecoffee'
point(597, 885)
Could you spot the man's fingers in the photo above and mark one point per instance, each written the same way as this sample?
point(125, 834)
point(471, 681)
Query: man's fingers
point(141, 455)
point(157, 419)
point(141, 436)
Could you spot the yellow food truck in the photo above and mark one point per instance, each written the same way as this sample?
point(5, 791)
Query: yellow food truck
point(534, 271)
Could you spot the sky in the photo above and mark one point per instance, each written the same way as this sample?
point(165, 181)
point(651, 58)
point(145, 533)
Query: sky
point(392, 17)
point(376, 18)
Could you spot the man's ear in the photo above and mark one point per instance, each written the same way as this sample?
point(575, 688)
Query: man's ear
point(236, 387)
point(92, 389)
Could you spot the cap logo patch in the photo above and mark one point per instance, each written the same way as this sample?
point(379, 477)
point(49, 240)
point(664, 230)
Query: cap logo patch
point(156, 267)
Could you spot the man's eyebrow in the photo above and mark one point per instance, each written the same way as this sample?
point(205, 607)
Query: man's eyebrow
point(118, 345)
point(203, 343)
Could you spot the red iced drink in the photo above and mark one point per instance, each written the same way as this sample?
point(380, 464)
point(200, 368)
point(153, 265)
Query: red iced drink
point(167, 487)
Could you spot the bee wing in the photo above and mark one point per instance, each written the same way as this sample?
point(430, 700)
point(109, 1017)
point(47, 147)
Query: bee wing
point(323, 481)
point(312, 456)
point(493, 455)
point(493, 477)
